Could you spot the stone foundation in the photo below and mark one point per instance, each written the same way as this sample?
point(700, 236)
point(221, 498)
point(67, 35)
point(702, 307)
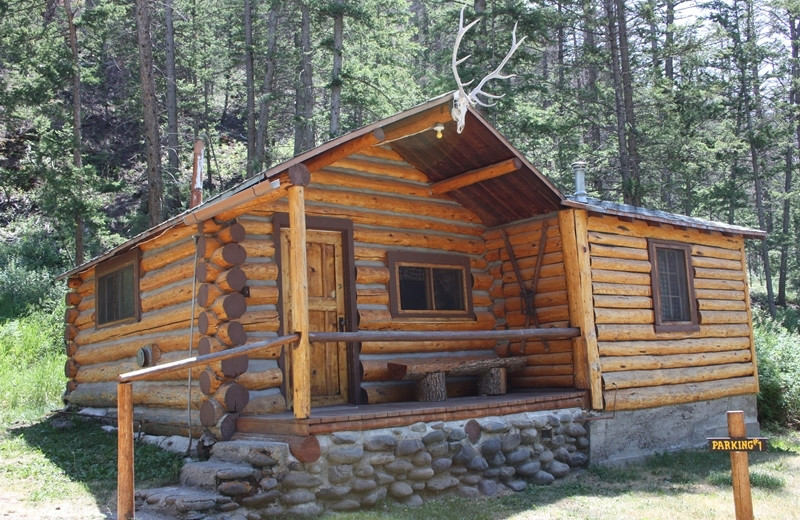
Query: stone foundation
point(252, 479)
point(619, 438)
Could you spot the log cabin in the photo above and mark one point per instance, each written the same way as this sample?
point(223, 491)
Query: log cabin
point(408, 273)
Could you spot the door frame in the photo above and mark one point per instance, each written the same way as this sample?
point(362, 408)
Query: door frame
point(345, 228)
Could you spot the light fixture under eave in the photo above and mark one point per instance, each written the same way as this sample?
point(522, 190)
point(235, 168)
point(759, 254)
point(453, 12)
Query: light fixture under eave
point(439, 127)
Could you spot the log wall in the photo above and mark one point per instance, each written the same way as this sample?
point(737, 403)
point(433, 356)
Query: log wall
point(642, 368)
point(550, 363)
point(391, 207)
point(97, 355)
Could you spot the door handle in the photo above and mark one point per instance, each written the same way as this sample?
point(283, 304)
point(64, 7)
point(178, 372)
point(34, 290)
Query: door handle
point(341, 324)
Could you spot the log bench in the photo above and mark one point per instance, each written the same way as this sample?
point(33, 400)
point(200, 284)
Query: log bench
point(429, 374)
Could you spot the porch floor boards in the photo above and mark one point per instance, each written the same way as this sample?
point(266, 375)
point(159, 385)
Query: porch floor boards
point(331, 419)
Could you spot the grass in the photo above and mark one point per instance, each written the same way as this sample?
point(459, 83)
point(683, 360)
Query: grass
point(70, 473)
point(47, 471)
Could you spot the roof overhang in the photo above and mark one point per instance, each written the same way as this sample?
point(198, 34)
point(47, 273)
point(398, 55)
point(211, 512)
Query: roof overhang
point(663, 217)
point(476, 156)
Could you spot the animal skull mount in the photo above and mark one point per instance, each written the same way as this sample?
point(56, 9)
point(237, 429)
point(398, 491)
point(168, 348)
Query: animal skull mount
point(461, 100)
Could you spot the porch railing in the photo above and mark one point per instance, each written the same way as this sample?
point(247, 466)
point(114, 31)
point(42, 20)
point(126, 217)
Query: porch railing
point(125, 457)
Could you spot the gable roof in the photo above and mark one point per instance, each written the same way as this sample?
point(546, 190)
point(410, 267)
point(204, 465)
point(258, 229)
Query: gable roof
point(478, 168)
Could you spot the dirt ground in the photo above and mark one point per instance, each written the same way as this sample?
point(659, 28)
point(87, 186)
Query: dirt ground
point(13, 506)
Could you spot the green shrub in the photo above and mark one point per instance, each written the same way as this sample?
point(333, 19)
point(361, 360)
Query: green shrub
point(24, 289)
point(31, 365)
point(779, 372)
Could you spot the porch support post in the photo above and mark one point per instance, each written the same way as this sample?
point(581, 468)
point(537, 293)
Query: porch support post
point(301, 355)
point(125, 502)
point(575, 238)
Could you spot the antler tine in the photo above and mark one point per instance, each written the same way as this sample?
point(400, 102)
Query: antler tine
point(456, 61)
point(495, 74)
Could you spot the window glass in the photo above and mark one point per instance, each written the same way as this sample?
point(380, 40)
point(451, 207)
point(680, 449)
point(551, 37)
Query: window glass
point(674, 292)
point(429, 285)
point(674, 301)
point(117, 290)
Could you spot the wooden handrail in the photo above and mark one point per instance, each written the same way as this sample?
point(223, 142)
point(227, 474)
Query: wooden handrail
point(125, 477)
point(146, 373)
point(445, 335)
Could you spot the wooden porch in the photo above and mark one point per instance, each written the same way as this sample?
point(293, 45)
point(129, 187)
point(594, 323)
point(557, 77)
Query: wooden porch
point(331, 419)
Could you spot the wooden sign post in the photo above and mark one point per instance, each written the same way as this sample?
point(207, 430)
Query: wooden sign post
point(738, 444)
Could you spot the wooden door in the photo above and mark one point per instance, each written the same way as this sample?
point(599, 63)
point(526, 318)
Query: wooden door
point(326, 308)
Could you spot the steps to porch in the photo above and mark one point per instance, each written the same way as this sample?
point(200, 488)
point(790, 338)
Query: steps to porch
point(257, 478)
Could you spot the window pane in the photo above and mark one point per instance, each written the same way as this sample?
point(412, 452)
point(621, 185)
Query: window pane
point(673, 286)
point(125, 293)
point(413, 293)
point(448, 287)
point(115, 299)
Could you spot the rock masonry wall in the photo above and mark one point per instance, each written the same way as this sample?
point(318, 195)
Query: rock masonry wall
point(253, 480)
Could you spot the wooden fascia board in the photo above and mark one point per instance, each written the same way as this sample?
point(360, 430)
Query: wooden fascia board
point(477, 175)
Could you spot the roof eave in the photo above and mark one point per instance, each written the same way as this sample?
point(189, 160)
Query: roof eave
point(663, 217)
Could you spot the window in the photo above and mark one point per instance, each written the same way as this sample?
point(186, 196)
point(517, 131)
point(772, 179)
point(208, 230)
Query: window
point(429, 285)
point(674, 300)
point(117, 289)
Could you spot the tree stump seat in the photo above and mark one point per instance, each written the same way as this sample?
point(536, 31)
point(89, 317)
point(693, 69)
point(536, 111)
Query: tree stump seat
point(430, 374)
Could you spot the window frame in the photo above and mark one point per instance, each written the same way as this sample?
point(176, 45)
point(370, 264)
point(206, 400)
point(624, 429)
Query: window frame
point(661, 325)
point(397, 259)
point(111, 266)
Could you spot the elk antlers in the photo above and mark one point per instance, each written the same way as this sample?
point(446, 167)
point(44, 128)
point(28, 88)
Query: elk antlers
point(461, 99)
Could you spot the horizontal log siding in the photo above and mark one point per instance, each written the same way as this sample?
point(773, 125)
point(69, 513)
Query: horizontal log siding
point(391, 207)
point(643, 368)
point(99, 355)
point(549, 364)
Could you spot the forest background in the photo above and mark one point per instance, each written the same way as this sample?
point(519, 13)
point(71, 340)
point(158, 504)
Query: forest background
point(686, 106)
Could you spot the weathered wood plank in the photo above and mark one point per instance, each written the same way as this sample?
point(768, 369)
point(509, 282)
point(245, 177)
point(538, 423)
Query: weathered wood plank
point(721, 305)
point(620, 277)
point(664, 347)
point(620, 264)
point(623, 302)
point(418, 368)
point(613, 289)
point(616, 332)
point(675, 376)
point(618, 364)
point(719, 294)
point(626, 253)
point(610, 239)
point(623, 316)
point(638, 398)
point(718, 274)
point(717, 317)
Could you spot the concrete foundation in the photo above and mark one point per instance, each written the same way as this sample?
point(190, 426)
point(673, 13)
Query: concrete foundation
point(630, 436)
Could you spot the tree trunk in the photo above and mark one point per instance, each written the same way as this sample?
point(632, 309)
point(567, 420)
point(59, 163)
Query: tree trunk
point(624, 161)
point(336, 73)
point(150, 110)
point(669, 41)
point(173, 148)
point(632, 193)
point(77, 161)
point(304, 93)
point(592, 73)
point(266, 92)
point(250, 87)
point(794, 102)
